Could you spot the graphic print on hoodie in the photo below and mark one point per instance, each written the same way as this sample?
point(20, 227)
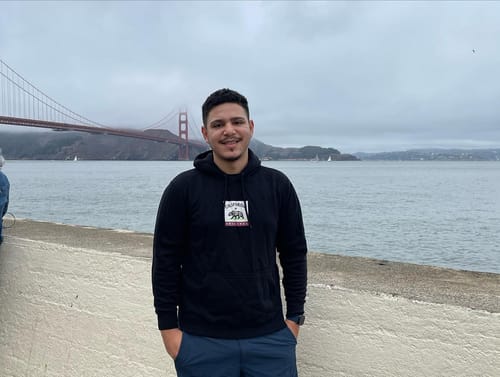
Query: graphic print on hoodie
point(236, 213)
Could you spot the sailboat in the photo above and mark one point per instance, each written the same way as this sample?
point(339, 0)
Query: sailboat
point(329, 158)
point(76, 158)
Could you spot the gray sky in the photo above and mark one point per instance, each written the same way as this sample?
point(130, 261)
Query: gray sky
point(359, 76)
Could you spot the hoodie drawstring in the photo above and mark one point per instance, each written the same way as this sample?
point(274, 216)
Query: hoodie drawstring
point(245, 201)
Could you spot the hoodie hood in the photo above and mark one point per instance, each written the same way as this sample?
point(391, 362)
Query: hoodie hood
point(205, 163)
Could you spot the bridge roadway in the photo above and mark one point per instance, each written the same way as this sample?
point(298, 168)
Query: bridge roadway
point(59, 126)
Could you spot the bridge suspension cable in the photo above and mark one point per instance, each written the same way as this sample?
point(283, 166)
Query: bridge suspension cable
point(196, 130)
point(163, 121)
point(21, 99)
point(23, 104)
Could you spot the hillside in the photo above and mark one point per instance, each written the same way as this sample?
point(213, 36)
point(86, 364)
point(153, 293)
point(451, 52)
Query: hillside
point(435, 155)
point(269, 152)
point(66, 145)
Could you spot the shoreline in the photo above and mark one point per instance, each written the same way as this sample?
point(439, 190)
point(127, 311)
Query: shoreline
point(432, 284)
point(77, 302)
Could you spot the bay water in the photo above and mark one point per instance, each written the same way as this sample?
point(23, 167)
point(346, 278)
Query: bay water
point(427, 212)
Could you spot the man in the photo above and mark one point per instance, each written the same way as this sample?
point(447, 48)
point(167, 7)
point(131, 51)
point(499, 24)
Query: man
point(4, 195)
point(215, 278)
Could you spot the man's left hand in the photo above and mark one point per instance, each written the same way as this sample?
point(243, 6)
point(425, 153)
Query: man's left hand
point(294, 327)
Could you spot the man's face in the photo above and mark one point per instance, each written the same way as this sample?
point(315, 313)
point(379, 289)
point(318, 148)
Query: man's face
point(228, 131)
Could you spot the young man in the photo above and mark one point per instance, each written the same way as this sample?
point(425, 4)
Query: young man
point(215, 277)
point(4, 195)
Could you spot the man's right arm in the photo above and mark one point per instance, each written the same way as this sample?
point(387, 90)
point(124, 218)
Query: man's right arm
point(168, 247)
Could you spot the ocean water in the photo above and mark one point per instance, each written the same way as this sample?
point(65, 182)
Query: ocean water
point(434, 213)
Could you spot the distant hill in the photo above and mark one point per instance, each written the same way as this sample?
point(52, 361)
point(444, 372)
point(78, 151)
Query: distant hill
point(435, 155)
point(268, 152)
point(65, 145)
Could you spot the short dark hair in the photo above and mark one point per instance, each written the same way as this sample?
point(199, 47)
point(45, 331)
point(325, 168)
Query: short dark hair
point(223, 96)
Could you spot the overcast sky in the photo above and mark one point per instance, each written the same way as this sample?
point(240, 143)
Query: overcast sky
point(359, 76)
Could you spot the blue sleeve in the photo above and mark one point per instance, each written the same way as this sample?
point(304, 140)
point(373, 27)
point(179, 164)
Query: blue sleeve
point(8, 191)
point(4, 191)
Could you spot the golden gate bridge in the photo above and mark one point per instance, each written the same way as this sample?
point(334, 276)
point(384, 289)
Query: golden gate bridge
point(23, 104)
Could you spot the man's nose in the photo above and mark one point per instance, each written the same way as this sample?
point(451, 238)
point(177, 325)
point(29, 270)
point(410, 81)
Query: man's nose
point(228, 128)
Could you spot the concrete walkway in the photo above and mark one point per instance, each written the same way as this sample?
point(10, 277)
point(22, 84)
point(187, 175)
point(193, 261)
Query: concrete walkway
point(76, 301)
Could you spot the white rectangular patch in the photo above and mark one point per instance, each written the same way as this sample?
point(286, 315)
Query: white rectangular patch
point(236, 213)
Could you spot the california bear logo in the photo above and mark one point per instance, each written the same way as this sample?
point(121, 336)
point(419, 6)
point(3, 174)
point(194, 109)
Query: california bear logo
point(236, 213)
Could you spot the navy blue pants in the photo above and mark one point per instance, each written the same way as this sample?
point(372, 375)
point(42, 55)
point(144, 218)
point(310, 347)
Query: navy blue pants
point(270, 355)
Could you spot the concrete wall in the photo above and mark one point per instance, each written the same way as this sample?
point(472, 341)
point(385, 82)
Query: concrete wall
point(77, 302)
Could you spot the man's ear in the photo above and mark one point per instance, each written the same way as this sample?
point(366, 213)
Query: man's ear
point(204, 133)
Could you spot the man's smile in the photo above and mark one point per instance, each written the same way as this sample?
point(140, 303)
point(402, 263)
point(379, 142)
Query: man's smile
point(230, 141)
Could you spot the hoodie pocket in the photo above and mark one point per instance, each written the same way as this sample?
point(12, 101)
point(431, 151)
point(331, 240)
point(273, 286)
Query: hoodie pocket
point(236, 298)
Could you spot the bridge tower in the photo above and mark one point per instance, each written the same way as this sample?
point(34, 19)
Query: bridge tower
point(183, 134)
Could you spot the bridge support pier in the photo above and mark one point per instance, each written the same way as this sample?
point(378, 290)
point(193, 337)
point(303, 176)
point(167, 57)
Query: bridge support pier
point(183, 134)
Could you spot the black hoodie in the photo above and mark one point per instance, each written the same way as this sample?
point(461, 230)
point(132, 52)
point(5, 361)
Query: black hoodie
point(214, 252)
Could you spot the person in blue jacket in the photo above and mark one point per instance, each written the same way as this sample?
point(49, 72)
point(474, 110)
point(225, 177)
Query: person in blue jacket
point(4, 195)
point(219, 229)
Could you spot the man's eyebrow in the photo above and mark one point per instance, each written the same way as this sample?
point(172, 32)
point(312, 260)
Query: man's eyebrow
point(231, 119)
point(214, 121)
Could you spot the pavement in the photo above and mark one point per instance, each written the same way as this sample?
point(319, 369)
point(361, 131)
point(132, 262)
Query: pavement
point(474, 290)
point(76, 302)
